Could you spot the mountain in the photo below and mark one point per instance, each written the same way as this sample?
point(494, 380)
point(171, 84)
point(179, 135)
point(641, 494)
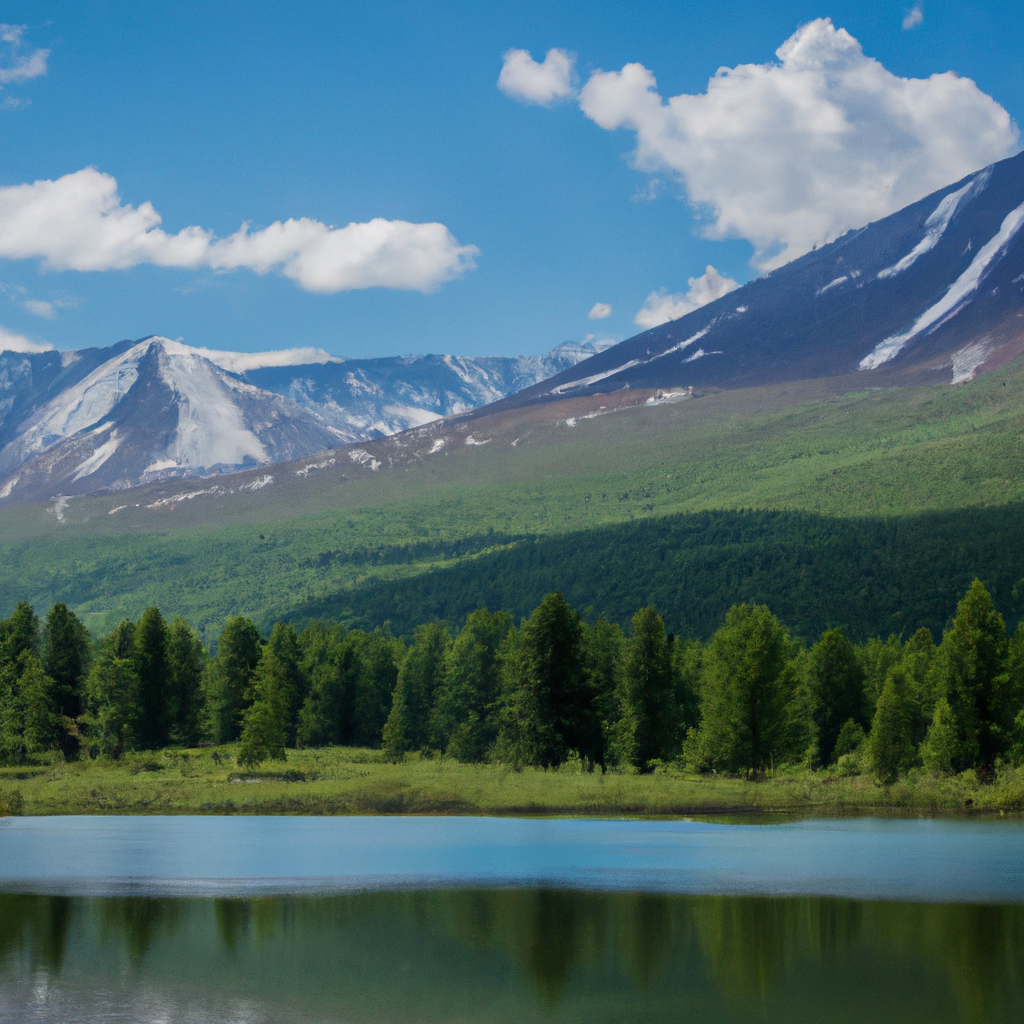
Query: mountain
point(106, 419)
point(369, 398)
point(932, 294)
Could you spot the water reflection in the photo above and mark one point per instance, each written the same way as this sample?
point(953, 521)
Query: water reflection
point(508, 955)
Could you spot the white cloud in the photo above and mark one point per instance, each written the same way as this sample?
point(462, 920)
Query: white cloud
point(79, 223)
point(913, 18)
point(661, 307)
point(791, 154)
point(40, 308)
point(10, 342)
point(599, 311)
point(522, 77)
point(18, 66)
point(240, 362)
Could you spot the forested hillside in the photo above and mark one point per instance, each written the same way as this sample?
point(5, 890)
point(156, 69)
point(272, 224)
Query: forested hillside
point(869, 575)
point(869, 469)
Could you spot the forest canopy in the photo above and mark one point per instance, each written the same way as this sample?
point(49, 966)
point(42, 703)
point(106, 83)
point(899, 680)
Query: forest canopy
point(552, 689)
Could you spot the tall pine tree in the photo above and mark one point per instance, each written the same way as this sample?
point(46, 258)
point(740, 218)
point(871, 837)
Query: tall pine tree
point(744, 692)
point(648, 720)
point(227, 679)
point(837, 688)
point(149, 653)
point(186, 661)
point(972, 663)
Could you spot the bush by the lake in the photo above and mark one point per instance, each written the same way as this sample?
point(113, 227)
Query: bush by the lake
point(751, 700)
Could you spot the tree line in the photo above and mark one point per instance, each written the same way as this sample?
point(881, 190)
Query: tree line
point(554, 688)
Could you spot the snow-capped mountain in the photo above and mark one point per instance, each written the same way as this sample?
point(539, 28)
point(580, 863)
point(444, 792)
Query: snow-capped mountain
point(932, 294)
point(107, 419)
point(364, 399)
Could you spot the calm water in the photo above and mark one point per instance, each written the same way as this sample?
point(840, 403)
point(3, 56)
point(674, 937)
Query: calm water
point(467, 919)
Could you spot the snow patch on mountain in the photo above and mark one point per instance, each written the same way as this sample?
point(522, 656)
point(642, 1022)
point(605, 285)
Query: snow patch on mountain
point(685, 344)
point(78, 408)
point(969, 358)
point(936, 224)
point(584, 382)
point(957, 295)
point(98, 457)
point(832, 284)
point(211, 430)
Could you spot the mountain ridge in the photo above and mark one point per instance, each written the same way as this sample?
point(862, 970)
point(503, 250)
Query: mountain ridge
point(932, 294)
point(108, 419)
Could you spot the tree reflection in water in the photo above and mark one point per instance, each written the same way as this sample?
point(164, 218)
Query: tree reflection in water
point(528, 953)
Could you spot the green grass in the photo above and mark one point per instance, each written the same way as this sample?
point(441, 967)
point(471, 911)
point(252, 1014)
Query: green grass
point(354, 781)
point(798, 447)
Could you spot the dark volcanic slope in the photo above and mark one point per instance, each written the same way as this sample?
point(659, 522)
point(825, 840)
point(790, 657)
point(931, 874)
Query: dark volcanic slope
point(934, 293)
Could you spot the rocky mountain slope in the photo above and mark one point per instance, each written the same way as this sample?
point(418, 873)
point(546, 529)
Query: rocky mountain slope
point(106, 419)
point(932, 294)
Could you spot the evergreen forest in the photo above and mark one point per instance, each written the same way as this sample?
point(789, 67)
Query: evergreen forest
point(554, 688)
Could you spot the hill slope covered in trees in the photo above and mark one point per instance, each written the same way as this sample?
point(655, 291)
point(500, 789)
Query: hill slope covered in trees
point(316, 535)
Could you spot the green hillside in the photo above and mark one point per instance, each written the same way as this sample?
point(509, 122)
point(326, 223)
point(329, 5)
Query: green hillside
point(876, 456)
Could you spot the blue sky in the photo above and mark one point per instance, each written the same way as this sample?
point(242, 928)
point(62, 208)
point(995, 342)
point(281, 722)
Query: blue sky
point(230, 113)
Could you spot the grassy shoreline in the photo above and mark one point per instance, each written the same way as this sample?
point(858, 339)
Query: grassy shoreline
point(352, 781)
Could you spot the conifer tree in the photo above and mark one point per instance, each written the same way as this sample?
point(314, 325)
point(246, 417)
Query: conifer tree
point(837, 688)
point(19, 634)
point(227, 679)
point(877, 657)
point(265, 720)
point(972, 663)
point(687, 659)
point(890, 745)
point(64, 657)
point(940, 746)
point(744, 692)
point(112, 701)
point(463, 718)
point(29, 720)
point(186, 661)
point(149, 652)
point(285, 644)
point(380, 655)
point(649, 717)
point(603, 644)
point(332, 664)
point(121, 642)
point(549, 709)
point(422, 672)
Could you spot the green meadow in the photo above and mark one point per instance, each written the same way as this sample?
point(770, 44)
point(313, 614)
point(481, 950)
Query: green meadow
point(349, 780)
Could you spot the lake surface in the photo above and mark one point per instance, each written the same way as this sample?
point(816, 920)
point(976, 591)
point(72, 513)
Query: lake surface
point(472, 919)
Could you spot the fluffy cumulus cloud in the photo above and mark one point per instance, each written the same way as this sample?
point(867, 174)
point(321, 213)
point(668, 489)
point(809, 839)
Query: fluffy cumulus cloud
point(10, 342)
point(78, 222)
point(15, 64)
point(661, 307)
point(545, 83)
point(599, 311)
point(792, 153)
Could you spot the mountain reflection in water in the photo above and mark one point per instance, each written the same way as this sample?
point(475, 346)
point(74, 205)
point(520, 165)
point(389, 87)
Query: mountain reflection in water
point(507, 955)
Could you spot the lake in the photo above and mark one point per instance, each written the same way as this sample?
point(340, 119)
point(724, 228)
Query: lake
point(463, 919)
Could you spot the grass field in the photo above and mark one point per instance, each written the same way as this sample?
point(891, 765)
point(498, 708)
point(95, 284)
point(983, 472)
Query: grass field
point(799, 447)
point(346, 780)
